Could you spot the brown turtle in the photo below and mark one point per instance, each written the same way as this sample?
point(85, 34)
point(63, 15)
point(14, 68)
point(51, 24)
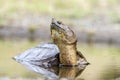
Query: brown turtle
point(62, 51)
point(66, 41)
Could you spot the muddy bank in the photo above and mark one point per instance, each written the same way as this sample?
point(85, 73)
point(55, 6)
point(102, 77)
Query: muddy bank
point(21, 33)
point(88, 30)
point(43, 33)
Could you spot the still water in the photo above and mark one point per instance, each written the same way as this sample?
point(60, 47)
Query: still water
point(104, 65)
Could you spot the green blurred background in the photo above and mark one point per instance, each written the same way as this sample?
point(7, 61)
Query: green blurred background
point(26, 23)
point(59, 8)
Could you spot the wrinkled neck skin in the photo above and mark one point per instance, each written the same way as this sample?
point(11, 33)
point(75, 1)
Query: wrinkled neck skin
point(68, 54)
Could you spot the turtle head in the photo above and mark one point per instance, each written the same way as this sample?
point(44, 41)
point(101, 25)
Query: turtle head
point(62, 33)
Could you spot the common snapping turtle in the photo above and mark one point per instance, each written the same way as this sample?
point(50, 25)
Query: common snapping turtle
point(61, 52)
point(66, 41)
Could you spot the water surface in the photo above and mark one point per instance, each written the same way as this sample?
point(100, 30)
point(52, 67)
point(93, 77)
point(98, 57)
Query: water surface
point(104, 65)
point(104, 62)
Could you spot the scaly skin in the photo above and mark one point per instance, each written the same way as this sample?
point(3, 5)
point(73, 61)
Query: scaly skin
point(66, 40)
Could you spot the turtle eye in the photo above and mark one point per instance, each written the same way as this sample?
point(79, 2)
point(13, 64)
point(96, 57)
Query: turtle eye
point(59, 22)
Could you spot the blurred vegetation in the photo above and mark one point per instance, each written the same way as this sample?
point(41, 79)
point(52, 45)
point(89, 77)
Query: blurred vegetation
point(60, 8)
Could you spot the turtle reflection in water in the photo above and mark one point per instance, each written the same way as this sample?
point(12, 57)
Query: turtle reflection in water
point(61, 52)
point(55, 73)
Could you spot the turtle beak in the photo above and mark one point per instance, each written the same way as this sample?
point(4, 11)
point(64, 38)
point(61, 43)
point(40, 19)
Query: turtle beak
point(55, 24)
point(54, 21)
